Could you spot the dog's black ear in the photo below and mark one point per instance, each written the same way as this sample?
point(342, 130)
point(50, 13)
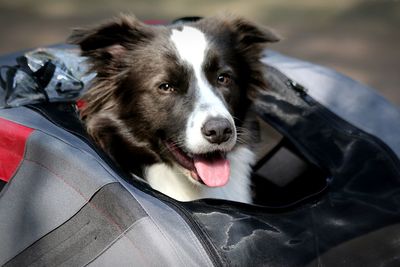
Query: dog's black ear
point(110, 40)
point(250, 33)
point(250, 40)
point(250, 37)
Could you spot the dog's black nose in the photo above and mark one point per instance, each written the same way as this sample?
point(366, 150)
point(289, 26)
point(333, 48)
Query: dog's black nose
point(217, 130)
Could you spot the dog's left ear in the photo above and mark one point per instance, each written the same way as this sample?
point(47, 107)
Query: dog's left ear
point(249, 33)
point(250, 41)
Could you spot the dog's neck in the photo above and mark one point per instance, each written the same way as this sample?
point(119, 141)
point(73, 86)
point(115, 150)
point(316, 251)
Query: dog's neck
point(172, 182)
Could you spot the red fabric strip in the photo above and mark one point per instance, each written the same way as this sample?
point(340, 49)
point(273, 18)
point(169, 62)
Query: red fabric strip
point(156, 22)
point(80, 104)
point(13, 139)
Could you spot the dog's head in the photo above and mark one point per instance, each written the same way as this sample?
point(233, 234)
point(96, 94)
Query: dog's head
point(177, 92)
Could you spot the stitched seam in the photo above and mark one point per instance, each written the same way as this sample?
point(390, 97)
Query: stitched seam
point(120, 236)
point(87, 200)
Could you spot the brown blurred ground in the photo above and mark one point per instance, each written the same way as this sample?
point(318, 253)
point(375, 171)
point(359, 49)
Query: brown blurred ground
point(360, 38)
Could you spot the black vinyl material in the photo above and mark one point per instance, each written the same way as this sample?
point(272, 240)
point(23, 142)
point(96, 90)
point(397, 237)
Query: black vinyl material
point(361, 197)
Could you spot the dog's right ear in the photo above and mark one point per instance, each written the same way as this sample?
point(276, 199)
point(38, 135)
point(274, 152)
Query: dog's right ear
point(110, 41)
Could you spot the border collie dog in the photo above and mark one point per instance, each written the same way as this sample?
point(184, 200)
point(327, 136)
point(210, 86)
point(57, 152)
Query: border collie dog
point(173, 103)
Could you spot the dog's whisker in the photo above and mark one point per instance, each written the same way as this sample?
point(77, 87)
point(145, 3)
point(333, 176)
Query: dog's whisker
point(242, 141)
point(237, 119)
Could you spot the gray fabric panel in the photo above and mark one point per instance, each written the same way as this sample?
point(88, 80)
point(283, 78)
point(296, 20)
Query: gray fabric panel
point(350, 100)
point(33, 203)
point(76, 168)
point(172, 228)
point(142, 245)
point(125, 252)
point(53, 182)
point(101, 221)
point(34, 120)
point(184, 247)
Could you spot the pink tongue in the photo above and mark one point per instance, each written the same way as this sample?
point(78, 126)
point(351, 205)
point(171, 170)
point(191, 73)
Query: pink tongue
point(213, 172)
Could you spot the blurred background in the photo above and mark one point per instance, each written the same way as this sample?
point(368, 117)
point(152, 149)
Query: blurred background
point(360, 38)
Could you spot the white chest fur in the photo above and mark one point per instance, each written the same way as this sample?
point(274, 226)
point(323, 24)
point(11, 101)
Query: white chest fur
point(172, 182)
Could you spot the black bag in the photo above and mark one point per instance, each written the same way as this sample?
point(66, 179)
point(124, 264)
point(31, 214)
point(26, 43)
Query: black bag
point(65, 203)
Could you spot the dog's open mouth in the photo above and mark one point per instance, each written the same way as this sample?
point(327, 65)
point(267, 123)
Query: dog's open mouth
point(212, 169)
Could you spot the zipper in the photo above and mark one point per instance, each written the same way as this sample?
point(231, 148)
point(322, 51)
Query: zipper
point(352, 131)
point(334, 120)
point(210, 249)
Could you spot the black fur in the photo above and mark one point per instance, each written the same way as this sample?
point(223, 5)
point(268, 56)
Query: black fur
point(126, 111)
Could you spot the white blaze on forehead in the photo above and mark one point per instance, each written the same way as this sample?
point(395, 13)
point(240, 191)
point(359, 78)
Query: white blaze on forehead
point(191, 45)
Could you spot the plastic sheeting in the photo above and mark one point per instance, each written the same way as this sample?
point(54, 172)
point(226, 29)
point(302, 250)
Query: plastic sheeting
point(43, 75)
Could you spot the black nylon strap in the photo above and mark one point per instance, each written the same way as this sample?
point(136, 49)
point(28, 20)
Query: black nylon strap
point(2, 184)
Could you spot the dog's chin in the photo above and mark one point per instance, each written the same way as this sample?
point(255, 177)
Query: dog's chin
point(190, 175)
point(209, 169)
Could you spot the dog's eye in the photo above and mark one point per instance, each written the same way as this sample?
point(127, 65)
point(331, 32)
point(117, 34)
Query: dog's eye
point(224, 79)
point(166, 87)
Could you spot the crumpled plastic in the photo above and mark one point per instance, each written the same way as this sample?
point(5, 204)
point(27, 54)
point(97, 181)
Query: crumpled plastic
point(44, 75)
